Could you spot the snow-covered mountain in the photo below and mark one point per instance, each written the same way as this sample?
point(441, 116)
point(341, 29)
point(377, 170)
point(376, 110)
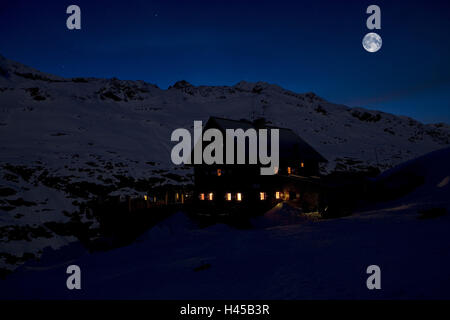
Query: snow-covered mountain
point(63, 141)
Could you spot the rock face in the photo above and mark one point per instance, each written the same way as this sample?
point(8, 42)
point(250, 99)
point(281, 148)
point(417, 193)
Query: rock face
point(64, 141)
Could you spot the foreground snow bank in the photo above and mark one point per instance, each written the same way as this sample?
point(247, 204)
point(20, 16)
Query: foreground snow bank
point(287, 256)
point(427, 178)
point(283, 214)
point(322, 259)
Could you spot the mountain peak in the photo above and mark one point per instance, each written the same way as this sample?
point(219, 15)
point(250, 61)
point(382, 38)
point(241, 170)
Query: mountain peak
point(182, 84)
point(13, 70)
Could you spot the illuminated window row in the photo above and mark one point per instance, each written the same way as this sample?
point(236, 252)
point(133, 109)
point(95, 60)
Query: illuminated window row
point(238, 196)
point(228, 196)
point(220, 172)
point(179, 197)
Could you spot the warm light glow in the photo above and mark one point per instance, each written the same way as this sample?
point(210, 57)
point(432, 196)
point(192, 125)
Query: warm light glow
point(145, 197)
point(202, 196)
point(228, 197)
point(219, 172)
point(277, 195)
point(238, 196)
point(177, 196)
point(275, 170)
point(262, 196)
point(289, 170)
point(302, 164)
point(210, 196)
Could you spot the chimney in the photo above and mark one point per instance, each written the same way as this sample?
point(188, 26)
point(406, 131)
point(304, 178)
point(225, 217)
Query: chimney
point(259, 123)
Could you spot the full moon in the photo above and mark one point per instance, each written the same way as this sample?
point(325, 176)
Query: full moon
point(372, 42)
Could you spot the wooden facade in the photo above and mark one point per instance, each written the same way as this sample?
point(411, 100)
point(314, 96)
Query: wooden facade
point(226, 187)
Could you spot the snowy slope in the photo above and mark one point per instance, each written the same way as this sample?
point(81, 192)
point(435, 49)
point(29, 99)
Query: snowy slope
point(309, 259)
point(63, 141)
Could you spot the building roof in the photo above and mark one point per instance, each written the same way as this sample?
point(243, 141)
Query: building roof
point(292, 147)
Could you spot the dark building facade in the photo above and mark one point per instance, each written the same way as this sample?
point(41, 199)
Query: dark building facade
point(226, 187)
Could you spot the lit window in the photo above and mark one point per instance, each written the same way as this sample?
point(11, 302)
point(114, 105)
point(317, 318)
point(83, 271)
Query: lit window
point(277, 195)
point(262, 196)
point(239, 196)
point(289, 170)
point(145, 197)
point(210, 196)
point(228, 196)
point(302, 164)
point(177, 196)
point(219, 172)
point(202, 196)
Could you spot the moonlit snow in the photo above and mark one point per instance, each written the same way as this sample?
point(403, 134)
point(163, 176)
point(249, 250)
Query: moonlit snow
point(59, 135)
point(305, 259)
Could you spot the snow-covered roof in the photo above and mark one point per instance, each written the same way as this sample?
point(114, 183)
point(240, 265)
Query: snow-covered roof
point(291, 145)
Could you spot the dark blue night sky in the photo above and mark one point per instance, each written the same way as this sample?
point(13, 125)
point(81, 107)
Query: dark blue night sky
point(300, 45)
